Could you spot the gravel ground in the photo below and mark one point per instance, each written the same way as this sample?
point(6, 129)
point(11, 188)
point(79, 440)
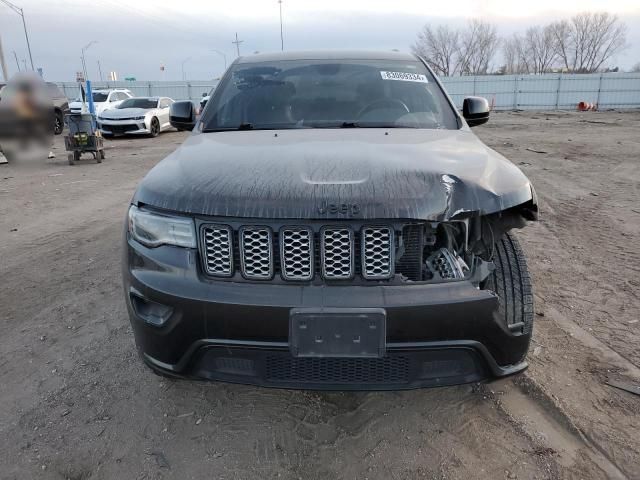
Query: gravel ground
point(77, 403)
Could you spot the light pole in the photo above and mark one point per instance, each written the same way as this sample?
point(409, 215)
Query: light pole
point(20, 12)
point(237, 44)
point(84, 63)
point(223, 56)
point(281, 34)
point(15, 55)
point(184, 77)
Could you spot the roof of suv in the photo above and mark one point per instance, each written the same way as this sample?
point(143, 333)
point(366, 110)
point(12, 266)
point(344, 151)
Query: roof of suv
point(327, 55)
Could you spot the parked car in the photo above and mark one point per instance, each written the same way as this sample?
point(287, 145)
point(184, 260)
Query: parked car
point(137, 115)
point(331, 223)
point(60, 106)
point(103, 100)
point(203, 102)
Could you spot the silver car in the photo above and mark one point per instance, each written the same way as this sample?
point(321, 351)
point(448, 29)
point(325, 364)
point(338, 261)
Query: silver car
point(138, 115)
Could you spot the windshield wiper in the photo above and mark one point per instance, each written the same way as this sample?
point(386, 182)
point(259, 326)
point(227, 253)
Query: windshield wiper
point(242, 126)
point(350, 125)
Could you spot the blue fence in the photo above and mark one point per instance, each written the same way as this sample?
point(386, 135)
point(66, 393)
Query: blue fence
point(504, 92)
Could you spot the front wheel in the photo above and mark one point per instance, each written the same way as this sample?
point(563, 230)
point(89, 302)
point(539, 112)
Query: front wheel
point(58, 123)
point(512, 284)
point(154, 128)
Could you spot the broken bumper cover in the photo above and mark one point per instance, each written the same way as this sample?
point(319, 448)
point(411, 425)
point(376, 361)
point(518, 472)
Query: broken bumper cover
point(189, 326)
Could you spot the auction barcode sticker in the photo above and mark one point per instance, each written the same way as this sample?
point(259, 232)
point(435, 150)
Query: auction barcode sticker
point(404, 76)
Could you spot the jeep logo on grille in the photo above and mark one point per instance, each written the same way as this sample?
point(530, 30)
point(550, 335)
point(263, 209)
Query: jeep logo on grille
point(347, 209)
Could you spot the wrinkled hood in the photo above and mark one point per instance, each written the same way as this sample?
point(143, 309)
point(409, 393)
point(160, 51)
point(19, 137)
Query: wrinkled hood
point(335, 173)
point(124, 112)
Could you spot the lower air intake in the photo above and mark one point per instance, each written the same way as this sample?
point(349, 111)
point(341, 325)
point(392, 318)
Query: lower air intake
point(386, 370)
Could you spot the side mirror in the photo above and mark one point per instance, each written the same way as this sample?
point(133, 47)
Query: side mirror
point(475, 110)
point(182, 115)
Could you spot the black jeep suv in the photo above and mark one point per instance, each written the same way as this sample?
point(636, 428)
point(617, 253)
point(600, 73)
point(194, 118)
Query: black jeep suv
point(331, 223)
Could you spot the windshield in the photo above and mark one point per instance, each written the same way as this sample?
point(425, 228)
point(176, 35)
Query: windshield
point(329, 94)
point(139, 103)
point(97, 97)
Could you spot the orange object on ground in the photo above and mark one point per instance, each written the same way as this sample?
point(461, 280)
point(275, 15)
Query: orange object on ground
point(586, 106)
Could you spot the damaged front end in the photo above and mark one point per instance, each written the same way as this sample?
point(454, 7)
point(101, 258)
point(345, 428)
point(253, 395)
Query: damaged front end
point(457, 249)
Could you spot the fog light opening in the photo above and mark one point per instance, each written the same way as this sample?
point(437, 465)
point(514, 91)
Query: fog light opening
point(151, 312)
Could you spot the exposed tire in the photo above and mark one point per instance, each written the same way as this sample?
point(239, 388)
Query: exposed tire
point(512, 284)
point(154, 127)
point(58, 122)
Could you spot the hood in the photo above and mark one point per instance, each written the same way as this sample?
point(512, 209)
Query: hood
point(335, 173)
point(77, 105)
point(124, 112)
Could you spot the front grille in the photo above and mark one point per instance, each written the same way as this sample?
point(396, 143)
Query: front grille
point(409, 262)
point(392, 369)
point(296, 253)
point(299, 253)
point(218, 257)
point(377, 251)
point(256, 252)
point(337, 253)
point(119, 128)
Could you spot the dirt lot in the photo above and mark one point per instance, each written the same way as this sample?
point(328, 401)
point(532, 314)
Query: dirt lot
point(77, 403)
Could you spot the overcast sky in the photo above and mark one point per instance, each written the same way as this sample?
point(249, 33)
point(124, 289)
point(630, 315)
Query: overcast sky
point(135, 37)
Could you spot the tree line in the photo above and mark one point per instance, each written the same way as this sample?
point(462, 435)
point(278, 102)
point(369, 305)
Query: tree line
point(582, 44)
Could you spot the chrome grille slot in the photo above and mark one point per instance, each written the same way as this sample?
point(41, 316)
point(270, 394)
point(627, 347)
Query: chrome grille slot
point(337, 253)
point(377, 252)
point(256, 252)
point(296, 253)
point(218, 257)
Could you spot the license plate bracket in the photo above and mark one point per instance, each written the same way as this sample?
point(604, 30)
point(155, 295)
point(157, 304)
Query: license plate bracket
point(338, 332)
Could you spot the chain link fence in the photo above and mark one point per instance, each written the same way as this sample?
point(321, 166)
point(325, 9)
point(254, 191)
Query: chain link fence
point(504, 92)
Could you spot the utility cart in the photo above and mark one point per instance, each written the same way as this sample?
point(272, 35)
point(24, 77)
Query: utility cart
point(83, 137)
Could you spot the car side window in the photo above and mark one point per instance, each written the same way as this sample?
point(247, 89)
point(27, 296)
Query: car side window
point(165, 102)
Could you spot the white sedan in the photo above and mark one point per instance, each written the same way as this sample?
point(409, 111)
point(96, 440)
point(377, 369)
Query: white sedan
point(103, 99)
point(138, 115)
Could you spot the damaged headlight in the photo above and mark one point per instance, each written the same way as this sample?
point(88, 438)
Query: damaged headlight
point(153, 230)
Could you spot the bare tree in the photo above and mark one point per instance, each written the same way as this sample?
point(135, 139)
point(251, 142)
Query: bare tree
point(439, 47)
point(515, 57)
point(588, 40)
point(478, 45)
point(540, 48)
point(448, 51)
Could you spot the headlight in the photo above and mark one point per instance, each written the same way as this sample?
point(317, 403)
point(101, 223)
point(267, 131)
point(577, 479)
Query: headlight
point(153, 230)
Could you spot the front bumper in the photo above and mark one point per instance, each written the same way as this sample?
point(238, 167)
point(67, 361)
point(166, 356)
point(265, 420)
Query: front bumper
point(122, 127)
point(437, 334)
